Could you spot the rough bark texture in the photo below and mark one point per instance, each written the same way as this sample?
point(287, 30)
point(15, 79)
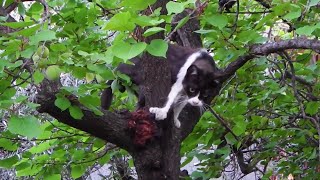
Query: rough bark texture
point(159, 159)
point(265, 49)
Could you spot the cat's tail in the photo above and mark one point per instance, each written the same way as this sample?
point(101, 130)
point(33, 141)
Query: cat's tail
point(106, 96)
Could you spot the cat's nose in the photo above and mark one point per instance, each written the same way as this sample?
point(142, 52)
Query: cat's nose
point(196, 103)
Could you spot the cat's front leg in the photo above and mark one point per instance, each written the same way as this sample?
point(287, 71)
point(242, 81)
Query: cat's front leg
point(160, 113)
point(176, 112)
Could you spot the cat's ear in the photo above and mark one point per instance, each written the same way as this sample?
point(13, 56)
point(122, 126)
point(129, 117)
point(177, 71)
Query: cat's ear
point(193, 70)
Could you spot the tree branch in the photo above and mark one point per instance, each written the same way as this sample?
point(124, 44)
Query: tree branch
point(111, 127)
point(266, 49)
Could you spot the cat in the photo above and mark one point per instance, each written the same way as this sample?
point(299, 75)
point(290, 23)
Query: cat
point(194, 85)
point(191, 78)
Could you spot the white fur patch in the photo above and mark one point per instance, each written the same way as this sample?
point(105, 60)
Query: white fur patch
point(176, 88)
point(195, 101)
point(176, 112)
point(160, 113)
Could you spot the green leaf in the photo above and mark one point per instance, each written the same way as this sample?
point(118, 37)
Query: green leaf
point(77, 171)
point(182, 22)
point(8, 145)
point(106, 158)
point(27, 53)
point(27, 126)
point(230, 138)
point(90, 77)
point(53, 72)
point(124, 77)
point(62, 102)
point(239, 129)
point(58, 47)
point(313, 2)
point(21, 9)
point(36, 8)
point(115, 86)
point(137, 4)
point(90, 100)
point(45, 35)
point(152, 31)
point(147, 21)
point(174, 7)
point(218, 20)
point(312, 107)
point(42, 147)
point(292, 15)
point(22, 165)
point(38, 77)
point(9, 162)
point(81, 16)
point(120, 22)
point(29, 31)
point(30, 170)
point(76, 112)
point(158, 47)
point(83, 53)
point(306, 30)
point(79, 72)
point(203, 31)
point(53, 177)
point(16, 25)
point(127, 51)
point(186, 161)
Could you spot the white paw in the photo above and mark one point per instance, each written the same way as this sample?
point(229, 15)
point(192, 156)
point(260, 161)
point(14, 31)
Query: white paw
point(177, 123)
point(159, 113)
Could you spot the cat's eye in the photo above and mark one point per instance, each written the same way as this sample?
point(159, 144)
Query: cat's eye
point(192, 90)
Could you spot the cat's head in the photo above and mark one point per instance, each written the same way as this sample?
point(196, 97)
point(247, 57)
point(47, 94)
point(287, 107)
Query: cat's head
point(199, 86)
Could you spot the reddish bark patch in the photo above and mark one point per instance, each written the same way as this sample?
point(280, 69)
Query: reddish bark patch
point(142, 127)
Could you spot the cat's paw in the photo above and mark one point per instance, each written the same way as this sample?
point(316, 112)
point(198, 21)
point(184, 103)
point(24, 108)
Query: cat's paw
point(177, 123)
point(159, 113)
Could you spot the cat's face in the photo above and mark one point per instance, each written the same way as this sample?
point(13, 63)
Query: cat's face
point(199, 86)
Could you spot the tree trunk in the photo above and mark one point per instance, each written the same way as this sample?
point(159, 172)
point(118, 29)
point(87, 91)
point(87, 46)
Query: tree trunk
point(159, 159)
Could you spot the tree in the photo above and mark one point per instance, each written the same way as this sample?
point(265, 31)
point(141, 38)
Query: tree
point(267, 110)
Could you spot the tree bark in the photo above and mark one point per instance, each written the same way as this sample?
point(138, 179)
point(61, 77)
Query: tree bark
point(159, 159)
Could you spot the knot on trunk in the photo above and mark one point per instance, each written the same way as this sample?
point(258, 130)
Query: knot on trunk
point(142, 127)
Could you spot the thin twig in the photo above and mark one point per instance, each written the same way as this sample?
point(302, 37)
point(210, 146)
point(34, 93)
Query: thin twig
point(316, 123)
point(235, 25)
point(296, 94)
point(248, 12)
point(169, 36)
point(46, 10)
point(293, 79)
point(222, 122)
point(74, 134)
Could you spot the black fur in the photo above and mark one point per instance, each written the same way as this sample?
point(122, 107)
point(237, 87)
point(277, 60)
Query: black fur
point(176, 56)
point(199, 82)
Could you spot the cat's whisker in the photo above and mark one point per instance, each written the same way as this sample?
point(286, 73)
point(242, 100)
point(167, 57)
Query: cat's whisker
point(180, 101)
point(200, 109)
point(206, 106)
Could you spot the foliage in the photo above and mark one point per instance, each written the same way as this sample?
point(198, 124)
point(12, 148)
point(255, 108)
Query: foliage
point(271, 104)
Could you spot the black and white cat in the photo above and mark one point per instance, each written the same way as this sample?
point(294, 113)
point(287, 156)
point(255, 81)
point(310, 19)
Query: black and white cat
point(191, 76)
